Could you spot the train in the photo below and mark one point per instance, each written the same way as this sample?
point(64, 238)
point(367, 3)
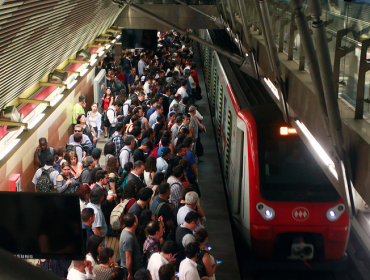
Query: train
point(281, 201)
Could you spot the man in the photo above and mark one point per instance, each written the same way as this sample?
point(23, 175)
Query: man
point(129, 74)
point(78, 270)
point(166, 272)
point(165, 257)
point(96, 154)
point(153, 117)
point(129, 249)
point(141, 64)
point(125, 153)
point(183, 90)
point(175, 128)
point(77, 142)
point(194, 123)
point(135, 175)
point(188, 267)
point(185, 123)
point(153, 103)
point(172, 120)
point(42, 151)
point(112, 116)
point(166, 100)
point(88, 166)
point(191, 205)
point(117, 138)
point(174, 109)
point(102, 179)
point(164, 154)
point(145, 194)
point(126, 62)
point(187, 75)
point(88, 218)
point(147, 86)
point(161, 207)
point(46, 174)
point(139, 153)
point(176, 187)
point(96, 198)
point(174, 160)
point(152, 244)
point(191, 172)
point(176, 100)
point(160, 118)
point(85, 139)
point(78, 109)
point(138, 111)
point(184, 233)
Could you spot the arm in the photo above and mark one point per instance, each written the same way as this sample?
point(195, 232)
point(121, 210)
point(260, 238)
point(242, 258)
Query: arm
point(192, 133)
point(210, 269)
point(195, 171)
point(97, 231)
point(146, 123)
point(60, 186)
point(129, 264)
point(112, 182)
point(199, 124)
point(36, 159)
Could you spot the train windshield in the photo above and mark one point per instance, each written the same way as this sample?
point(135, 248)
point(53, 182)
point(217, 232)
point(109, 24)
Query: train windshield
point(288, 171)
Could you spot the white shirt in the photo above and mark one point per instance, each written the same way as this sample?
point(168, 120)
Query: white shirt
point(146, 88)
point(126, 156)
point(126, 108)
point(53, 175)
point(173, 103)
point(162, 165)
point(111, 115)
point(155, 262)
point(74, 274)
point(188, 270)
point(182, 91)
point(192, 83)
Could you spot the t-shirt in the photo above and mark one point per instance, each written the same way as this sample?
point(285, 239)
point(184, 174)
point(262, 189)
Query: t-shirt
point(194, 125)
point(191, 158)
point(139, 155)
point(136, 209)
point(77, 109)
point(43, 154)
point(128, 242)
point(155, 262)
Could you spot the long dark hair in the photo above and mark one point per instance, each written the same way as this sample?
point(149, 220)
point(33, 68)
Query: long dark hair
point(93, 245)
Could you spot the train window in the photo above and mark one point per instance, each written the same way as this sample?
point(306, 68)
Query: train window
point(288, 172)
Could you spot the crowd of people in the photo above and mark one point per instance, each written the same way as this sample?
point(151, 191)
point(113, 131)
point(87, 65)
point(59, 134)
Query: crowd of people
point(147, 192)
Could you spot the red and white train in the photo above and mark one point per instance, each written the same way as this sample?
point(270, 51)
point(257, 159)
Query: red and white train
point(281, 200)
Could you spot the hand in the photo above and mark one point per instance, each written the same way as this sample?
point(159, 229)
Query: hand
point(110, 198)
point(38, 148)
point(119, 117)
point(160, 219)
point(98, 138)
point(204, 128)
point(130, 277)
point(68, 182)
point(114, 195)
point(89, 267)
point(172, 260)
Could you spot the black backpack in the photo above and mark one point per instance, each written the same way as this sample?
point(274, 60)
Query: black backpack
point(105, 119)
point(200, 265)
point(44, 184)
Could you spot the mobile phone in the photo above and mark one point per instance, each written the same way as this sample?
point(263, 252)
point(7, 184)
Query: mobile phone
point(177, 274)
point(209, 248)
point(219, 261)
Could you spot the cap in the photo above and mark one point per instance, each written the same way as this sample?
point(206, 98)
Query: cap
point(163, 151)
point(96, 152)
point(191, 198)
point(169, 80)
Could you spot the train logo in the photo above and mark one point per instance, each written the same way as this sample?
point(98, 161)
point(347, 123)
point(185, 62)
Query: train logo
point(300, 214)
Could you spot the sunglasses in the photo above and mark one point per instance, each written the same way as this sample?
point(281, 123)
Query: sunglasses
point(78, 131)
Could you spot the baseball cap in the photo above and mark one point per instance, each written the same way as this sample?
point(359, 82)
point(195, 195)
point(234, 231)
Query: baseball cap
point(191, 198)
point(96, 152)
point(163, 151)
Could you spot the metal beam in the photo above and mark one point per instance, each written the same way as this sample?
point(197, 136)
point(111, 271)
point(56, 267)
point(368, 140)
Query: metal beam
point(25, 100)
point(233, 57)
point(78, 61)
point(9, 123)
point(212, 18)
point(68, 71)
point(42, 84)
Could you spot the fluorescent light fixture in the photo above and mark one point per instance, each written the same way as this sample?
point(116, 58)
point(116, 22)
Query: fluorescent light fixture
point(318, 149)
point(72, 84)
point(113, 41)
point(8, 148)
point(56, 100)
point(228, 29)
point(236, 40)
point(36, 121)
point(101, 53)
point(246, 54)
point(92, 62)
point(84, 72)
point(107, 46)
point(272, 87)
point(118, 36)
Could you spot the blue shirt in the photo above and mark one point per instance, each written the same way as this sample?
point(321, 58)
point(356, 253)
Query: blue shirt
point(150, 112)
point(189, 86)
point(191, 158)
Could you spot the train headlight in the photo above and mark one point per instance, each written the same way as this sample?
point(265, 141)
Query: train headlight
point(335, 212)
point(266, 212)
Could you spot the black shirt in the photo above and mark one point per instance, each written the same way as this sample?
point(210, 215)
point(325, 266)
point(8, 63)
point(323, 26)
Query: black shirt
point(43, 154)
point(139, 155)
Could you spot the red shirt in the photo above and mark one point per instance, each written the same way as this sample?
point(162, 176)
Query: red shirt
point(195, 77)
point(121, 77)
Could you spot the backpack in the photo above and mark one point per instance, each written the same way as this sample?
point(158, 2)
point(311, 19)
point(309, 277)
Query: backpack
point(117, 213)
point(126, 104)
point(144, 259)
point(57, 165)
point(154, 152)
point(44, 184)
point(105, 119)
point(200, 265)
point(158, 209)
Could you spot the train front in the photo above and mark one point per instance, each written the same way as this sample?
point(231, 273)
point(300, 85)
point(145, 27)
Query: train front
point(295, 212)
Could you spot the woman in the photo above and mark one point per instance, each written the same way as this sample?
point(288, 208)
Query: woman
point(129, 193)
point(127, 168)
point(107, 101)
point(87, 129)
point(104, 269)
point(148, 135)
point(109, 151)
point(208, 261)
point(76, 167)
point(150, 170)
point(66, 183)
point(94, 246)
point(158, 131)
point(84, 194)
point(94, 120)
point(115, 183)
point(120, 75)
